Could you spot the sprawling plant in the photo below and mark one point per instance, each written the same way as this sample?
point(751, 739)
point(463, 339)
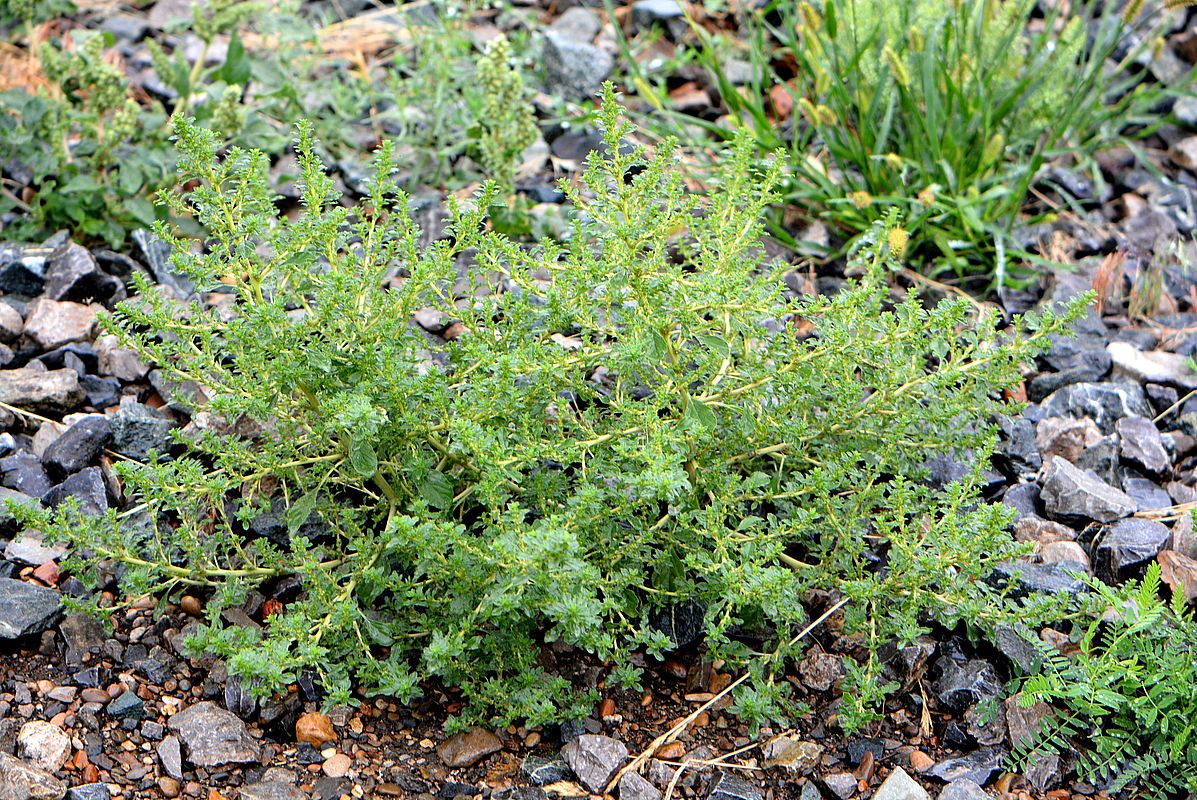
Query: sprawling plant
point(635, 421)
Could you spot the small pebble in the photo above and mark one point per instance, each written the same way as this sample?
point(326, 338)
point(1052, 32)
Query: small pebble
point(337, 766)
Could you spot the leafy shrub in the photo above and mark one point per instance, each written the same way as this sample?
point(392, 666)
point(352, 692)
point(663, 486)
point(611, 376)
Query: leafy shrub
point(1127, 695)
point(627, 422)
point(946, 111)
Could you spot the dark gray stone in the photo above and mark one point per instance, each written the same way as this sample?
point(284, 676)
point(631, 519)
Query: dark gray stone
point(238, 699)
point(635, 787)
point(543, 771)
point(1024, 499)
point(683, 623)
point(212, 736)
point(726, 786)
point(595, 759)
point(1104, 403)
point(1018, 444)
point(1146, 494)
point(1140, 443)
point(86, 487)
point(80, 446)
point(137, 429)
point(1126, 548)
point(858, 747)
point(1102, 460)
point(1015, 643)
point(1143, 232)
point(669, 14)
point(89, 791)
point(977, 766)
point(962, 684)
point(572, 68)
point(74, 275)
point(81, 634)
point(1026, 577)
point(23, 268)
point(127, 706)
point(156, 253)
point(100, 393)
point(26, 609)
point(578, 24)
point(1068, 492)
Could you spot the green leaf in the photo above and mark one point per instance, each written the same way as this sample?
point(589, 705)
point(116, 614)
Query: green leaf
point(716, 344)
point(236, 67)
point(700, 414)
point(362, 456)
point(658, 348)
point(141, 210)
point(299, 511)
point(437, 490)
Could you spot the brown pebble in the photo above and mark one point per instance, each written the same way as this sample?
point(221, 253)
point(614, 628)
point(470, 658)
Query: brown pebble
point(315, 729)
point(92, 695)
point(169, 786)
point(920, 761)
point(671, 752)
point(191, 605)
point(675, 669)
point(607, 708)
point(388, 790)
point(702, 720)
point(532, 739)
point(866, 767)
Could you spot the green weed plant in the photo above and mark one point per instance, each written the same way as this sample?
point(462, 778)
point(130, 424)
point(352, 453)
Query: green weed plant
point(630, 421)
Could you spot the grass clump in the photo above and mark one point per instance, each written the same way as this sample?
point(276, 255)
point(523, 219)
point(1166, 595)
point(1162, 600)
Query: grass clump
point(629, 421)
point(946, 111)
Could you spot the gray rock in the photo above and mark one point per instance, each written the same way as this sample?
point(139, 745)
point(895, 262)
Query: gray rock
point(127, 706)
point(1047, 578)
point(26, 609)
point(23, 268)
point(128, 27)
point(1152, 366)
point(1148, 231)
point(840, 784)
point(543, 771)
point(1023, 498)
point(28, 548)
point(726, 786)
point(89, 791)
point(74, 275)
point(1016, 644)
point(86, 487)
point(683, 623)
point(41, 391)
point(119, 362)
point(22, 781)
point(212, 736)
point(82, 634)
point(44, 744)
point(578, 24)
point(1018, 444)
point(810, 792)
point(977, 766)
point(1127, 546)
point(634, 787)
point(573, 68)
point(595, 759)
point(271, 790)
point(12, 324)
point(1185, 111)
point(900, 786)
point(170, 755)
point(1146, 494)
point(1104, 403)
point(156, 251)
point(137, 429)
point(963, 683)
point(53, 323)
point(80, 446)
point(23, 472)
point(1069, 492)
point(669, 14)
point(963, 789)
point(1140, 443)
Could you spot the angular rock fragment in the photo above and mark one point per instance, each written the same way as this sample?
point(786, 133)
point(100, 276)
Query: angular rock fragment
point(595, 759)
point(1127, 546)
point(26, 609)
point(212, 736)
point(1069, 492)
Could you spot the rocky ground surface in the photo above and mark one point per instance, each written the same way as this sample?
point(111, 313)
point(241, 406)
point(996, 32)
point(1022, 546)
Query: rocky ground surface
point(1101, 469)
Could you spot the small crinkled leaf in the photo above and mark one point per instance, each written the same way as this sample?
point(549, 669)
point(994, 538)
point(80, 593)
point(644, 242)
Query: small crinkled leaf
point(362, 456)
point(716, 344)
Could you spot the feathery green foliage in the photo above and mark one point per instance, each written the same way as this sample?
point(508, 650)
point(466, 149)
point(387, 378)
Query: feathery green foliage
point(1127, 695)
point(628, 421)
